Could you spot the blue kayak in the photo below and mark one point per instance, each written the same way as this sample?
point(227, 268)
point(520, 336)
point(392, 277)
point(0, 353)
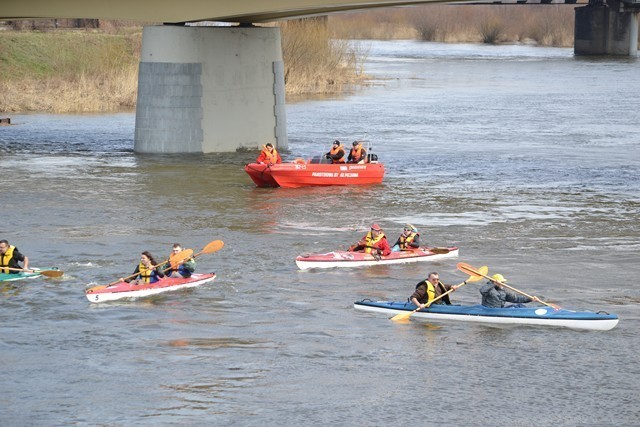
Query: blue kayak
point(537, 316)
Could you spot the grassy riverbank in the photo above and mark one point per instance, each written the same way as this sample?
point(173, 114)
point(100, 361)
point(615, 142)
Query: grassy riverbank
point(96, 70)
point(68, 71)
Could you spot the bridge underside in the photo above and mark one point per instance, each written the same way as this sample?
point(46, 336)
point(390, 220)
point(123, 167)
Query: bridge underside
point(172, 11)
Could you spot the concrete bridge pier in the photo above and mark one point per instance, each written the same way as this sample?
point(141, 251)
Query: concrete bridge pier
point(606, 28)
point(210, 89)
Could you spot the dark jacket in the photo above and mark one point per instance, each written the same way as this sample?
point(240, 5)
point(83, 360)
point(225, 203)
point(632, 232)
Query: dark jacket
point(335, 158)
point(415, 243)
point(423, 297)
point(184, 269)
point(353, 159)
point(495, 297)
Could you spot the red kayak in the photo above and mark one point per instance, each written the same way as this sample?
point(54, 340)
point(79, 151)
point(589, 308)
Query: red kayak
point(121, 290)
point(301, 173)
point(361, 259)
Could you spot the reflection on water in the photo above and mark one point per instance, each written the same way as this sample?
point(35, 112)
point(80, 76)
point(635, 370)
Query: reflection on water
point(480, 152)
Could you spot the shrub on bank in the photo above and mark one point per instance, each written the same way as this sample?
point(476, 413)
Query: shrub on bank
point(314, 63)
point(97, 71)
point(549, 25)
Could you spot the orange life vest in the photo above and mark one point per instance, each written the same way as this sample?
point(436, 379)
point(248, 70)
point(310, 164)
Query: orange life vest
point(356, 153)
point(335, 151)
point(271, 157)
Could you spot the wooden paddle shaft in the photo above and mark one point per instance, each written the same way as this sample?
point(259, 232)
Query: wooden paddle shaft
point(47, 273)
point(469, 268)
point(16, 269)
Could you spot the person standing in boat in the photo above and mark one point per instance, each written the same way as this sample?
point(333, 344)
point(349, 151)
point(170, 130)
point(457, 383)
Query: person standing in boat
point(148, 271)
point(10, 256)
point(495, 296)
point(374, 243)
point(178, 269)
point(358, 154)
point(430, 289)
point(269, 155)
point(336, 154)
point(409, 239)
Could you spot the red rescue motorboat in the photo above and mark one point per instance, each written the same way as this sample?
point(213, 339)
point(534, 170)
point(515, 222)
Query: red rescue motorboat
point(313, 172)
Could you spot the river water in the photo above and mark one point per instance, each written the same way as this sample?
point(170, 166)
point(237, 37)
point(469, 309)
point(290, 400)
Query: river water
point(526, 158)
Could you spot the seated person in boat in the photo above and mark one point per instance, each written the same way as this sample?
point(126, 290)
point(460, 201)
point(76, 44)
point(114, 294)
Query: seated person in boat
point(269, 155)
point(336, 154)
point(494, 296)
point(374, 243)
point(357, 154)
point(430, 289)
point(148, 271)
point(178, 268)
point(10, 256)
point(409, 239)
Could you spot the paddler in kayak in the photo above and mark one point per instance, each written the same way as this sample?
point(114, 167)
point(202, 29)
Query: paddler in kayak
point(148, 271)
point(336, 154)
point(409, 239)
point(357, 154)
point(374, 243)
point(430, 289)
point(495, 296)
point(178, 269)
point(10, 256)
point(269, 155)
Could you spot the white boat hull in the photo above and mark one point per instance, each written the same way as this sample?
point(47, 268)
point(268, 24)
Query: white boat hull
point(539, 316)
point(341, 260)
point(114, 294)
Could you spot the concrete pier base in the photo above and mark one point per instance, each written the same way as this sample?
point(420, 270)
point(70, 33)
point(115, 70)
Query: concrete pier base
point(210, 89)
point(606, 29)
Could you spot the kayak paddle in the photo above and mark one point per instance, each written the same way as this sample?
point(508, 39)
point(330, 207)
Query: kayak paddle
point(472, 278)
point(440, 251)
point(180, 257)
point(211, 247)
point(48, 273)
point(471, 269)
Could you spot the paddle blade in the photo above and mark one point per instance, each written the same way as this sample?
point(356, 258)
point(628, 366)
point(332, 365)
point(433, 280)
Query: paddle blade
point(95, 288)
point(51, 273)
point(484, 270)
point(402, 317)
point(214, 246)
point(181, 256)
point(468, 269)
point(439, 251)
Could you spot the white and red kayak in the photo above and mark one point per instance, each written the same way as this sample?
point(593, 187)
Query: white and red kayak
point(361, 259)
point(101, 293)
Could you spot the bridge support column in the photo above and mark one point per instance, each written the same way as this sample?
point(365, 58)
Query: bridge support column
point(609, 28)
point(210, 89)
